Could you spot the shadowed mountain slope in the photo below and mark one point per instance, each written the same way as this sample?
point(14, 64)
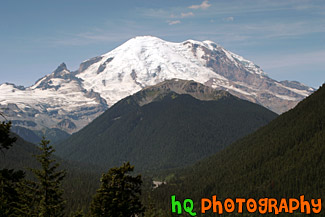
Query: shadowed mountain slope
point(161, 127)
point(284, 159)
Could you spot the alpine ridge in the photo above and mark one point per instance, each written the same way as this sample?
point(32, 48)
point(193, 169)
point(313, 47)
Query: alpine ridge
point(69, 100)
point(168, 125)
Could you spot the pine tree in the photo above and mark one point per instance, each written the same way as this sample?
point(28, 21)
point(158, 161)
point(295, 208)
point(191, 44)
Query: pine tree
point(118, 195)
point(5, 140)
point(9, 195)
point(49, 201)
point(27, 191)
point(9, 179)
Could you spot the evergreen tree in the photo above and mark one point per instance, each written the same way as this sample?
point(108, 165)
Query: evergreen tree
point(49, 201)
point(5, 140)
point(119, 194)
point(9, 194)
point(9, 179)
point(27, 191)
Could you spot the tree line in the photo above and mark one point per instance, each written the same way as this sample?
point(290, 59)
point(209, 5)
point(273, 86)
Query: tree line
point(42, 195)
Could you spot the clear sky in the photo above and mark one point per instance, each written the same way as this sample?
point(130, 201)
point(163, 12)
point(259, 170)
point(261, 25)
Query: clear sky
point(286, 38)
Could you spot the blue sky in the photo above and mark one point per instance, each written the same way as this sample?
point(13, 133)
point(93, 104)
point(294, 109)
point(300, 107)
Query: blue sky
point(286, 38)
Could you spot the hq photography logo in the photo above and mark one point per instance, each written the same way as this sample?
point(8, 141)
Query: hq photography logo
point(261, 206)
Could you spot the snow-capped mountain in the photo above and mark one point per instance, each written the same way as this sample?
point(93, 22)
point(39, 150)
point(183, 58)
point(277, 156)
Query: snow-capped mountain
point(145, 61)
point(58, 100)
point(64, 98)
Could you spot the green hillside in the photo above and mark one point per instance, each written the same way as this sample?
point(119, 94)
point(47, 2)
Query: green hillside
point(284, 159)
point(79, 185)
point(19, 156)
point(55, 135)
point(169, 130)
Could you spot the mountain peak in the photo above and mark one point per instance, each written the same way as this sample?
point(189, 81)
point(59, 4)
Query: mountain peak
point(151, 40)
point(62, 67)
point(60, 72)
point(147, 60)
point(146, 39)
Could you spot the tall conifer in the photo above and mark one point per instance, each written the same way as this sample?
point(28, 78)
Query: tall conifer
point(118, 195)
point(49, 201)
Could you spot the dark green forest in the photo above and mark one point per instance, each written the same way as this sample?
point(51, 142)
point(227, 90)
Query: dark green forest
point(79, 184)
point(172, 131)
point(46, 190)
point(284, 159)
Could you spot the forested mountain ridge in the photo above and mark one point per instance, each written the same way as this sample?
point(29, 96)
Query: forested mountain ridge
point(158, 128)
point(283, 159)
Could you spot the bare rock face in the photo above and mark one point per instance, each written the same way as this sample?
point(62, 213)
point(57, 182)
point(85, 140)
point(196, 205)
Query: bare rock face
point(70, 100)
point(67, 125)
point(195, 89)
